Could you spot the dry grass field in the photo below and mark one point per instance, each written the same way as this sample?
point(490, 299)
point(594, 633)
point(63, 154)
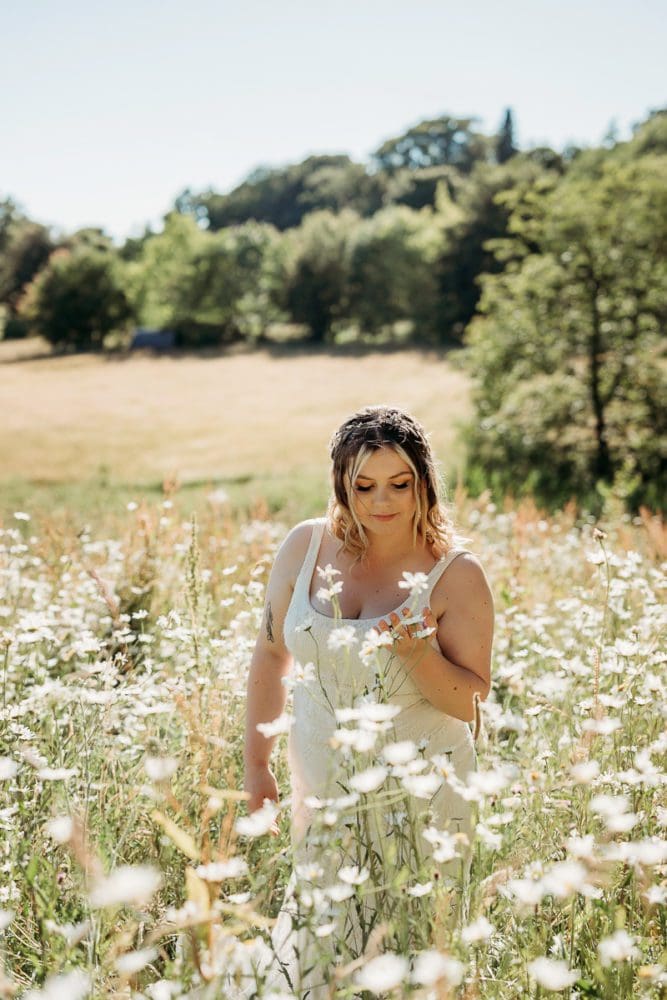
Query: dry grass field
point(243, 416)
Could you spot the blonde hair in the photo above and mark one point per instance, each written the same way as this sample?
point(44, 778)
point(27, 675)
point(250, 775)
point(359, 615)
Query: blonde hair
point(353, 443)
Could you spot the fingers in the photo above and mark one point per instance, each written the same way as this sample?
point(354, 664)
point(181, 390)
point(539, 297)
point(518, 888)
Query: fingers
point(389, 626)
point(409, 626)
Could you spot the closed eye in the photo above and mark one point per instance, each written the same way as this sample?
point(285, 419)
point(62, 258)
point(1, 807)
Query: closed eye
point(397, 486)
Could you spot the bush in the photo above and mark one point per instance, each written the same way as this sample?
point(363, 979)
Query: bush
point(14, 328)
point(77, 299)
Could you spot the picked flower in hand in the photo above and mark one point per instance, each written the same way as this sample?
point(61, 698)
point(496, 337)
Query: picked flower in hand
point(408, 631)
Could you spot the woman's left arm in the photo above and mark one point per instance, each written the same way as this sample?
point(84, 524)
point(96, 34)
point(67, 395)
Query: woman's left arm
point(449, 676)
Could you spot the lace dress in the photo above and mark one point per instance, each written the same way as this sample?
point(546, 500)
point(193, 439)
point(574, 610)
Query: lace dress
point(341, 678)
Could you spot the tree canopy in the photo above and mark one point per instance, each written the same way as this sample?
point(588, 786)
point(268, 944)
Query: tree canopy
point(437, 142)
point(568, 348)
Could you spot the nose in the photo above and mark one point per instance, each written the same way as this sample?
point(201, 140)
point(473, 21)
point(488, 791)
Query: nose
point(382, 497)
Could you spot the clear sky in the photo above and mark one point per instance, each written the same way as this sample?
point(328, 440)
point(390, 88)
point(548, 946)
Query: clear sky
point(108, 111)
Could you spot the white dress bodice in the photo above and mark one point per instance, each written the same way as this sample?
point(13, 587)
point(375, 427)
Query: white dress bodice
point(342, 676)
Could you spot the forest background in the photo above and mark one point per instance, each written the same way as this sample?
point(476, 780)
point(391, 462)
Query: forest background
point(540, 274)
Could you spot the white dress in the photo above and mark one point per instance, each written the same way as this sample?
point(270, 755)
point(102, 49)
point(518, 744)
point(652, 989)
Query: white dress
point(317, 770)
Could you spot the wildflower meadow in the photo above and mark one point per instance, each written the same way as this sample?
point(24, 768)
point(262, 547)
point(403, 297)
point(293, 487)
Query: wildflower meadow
point(131, 868)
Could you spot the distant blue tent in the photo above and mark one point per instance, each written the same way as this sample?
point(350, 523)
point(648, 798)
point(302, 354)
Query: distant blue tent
point(159, 340)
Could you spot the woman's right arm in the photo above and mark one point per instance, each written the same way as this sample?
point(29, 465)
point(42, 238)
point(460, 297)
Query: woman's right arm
point(271, 661)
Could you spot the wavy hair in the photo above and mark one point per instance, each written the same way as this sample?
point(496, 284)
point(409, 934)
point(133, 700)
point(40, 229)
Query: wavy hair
point(356, 439)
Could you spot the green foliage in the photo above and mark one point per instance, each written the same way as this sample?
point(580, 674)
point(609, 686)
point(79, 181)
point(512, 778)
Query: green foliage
point(391, 269)
point(90, 237)
point(505, 148)
point(10, 216)
point(27, 251)
point(649, 136)
point(209, 287)
point(467, 250)
point(12, 327)
point(77, 299)
point(133, 246)
point(319, 271)
point(438, 141)
point(570, 331)
point(419, 188)
point(283, 196)
point(25, 247)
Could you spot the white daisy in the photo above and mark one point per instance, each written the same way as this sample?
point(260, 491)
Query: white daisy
point(126, 884)
point(383, 973)
point(552, 974)
point(368, 780)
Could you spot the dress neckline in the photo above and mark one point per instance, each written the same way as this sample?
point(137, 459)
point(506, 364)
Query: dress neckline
point(374, 618)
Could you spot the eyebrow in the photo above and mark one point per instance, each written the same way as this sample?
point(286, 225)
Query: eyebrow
point(406, 473)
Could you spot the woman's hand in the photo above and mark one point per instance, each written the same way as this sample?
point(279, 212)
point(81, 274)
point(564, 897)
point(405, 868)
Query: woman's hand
point(410, 636)
point(260, 784)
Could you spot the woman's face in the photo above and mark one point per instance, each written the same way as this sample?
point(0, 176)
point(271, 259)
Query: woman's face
point(383, 492)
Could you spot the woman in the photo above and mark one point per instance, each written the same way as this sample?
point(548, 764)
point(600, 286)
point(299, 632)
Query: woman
point(360, 640)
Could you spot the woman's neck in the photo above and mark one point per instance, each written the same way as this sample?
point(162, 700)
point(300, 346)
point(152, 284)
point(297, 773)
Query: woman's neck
point(389, 549)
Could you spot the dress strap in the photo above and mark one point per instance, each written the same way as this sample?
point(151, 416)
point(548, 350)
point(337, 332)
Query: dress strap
point(441, 566)
point(308, 565)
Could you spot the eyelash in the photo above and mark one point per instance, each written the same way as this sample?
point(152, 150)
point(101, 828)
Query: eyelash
point(397, 486)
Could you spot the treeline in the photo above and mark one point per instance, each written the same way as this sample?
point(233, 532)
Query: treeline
point(549, 267)
point(328, 245)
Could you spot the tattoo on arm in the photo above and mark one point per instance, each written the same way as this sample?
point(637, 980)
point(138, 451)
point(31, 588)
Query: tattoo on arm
point(269, 623)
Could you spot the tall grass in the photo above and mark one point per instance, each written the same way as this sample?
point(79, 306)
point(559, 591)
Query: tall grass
point(127, 868)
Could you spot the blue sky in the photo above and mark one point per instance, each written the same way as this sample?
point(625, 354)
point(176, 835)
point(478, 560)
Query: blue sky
point(108, 111)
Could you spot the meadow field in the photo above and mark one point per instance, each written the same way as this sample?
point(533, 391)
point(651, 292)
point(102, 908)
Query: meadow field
point(81, 430)
point(129, 607)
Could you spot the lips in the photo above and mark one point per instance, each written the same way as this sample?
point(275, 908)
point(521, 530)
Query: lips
point(384, 517)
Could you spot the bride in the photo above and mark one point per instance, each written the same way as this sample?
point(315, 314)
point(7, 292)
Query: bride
point(376, 616)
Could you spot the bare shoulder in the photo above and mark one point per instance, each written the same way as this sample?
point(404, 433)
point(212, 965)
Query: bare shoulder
point(293, 549)
point(467, 564)
point(464, 581)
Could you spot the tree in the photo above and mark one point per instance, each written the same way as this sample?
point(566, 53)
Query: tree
point(649, 136)
point(433, 143)
point(77, 299)
point(568, 351)
point(391, 274)
point(90, 237)
point(467, 249)
point(133, 246)
point(26, 252)
point(283, 196)
point(10, 216)
point(505, 148)
point(419, 188)
point(24, 248)
point(154, 274)
point(317, 293)
point(211, 288)
point(342, 185)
